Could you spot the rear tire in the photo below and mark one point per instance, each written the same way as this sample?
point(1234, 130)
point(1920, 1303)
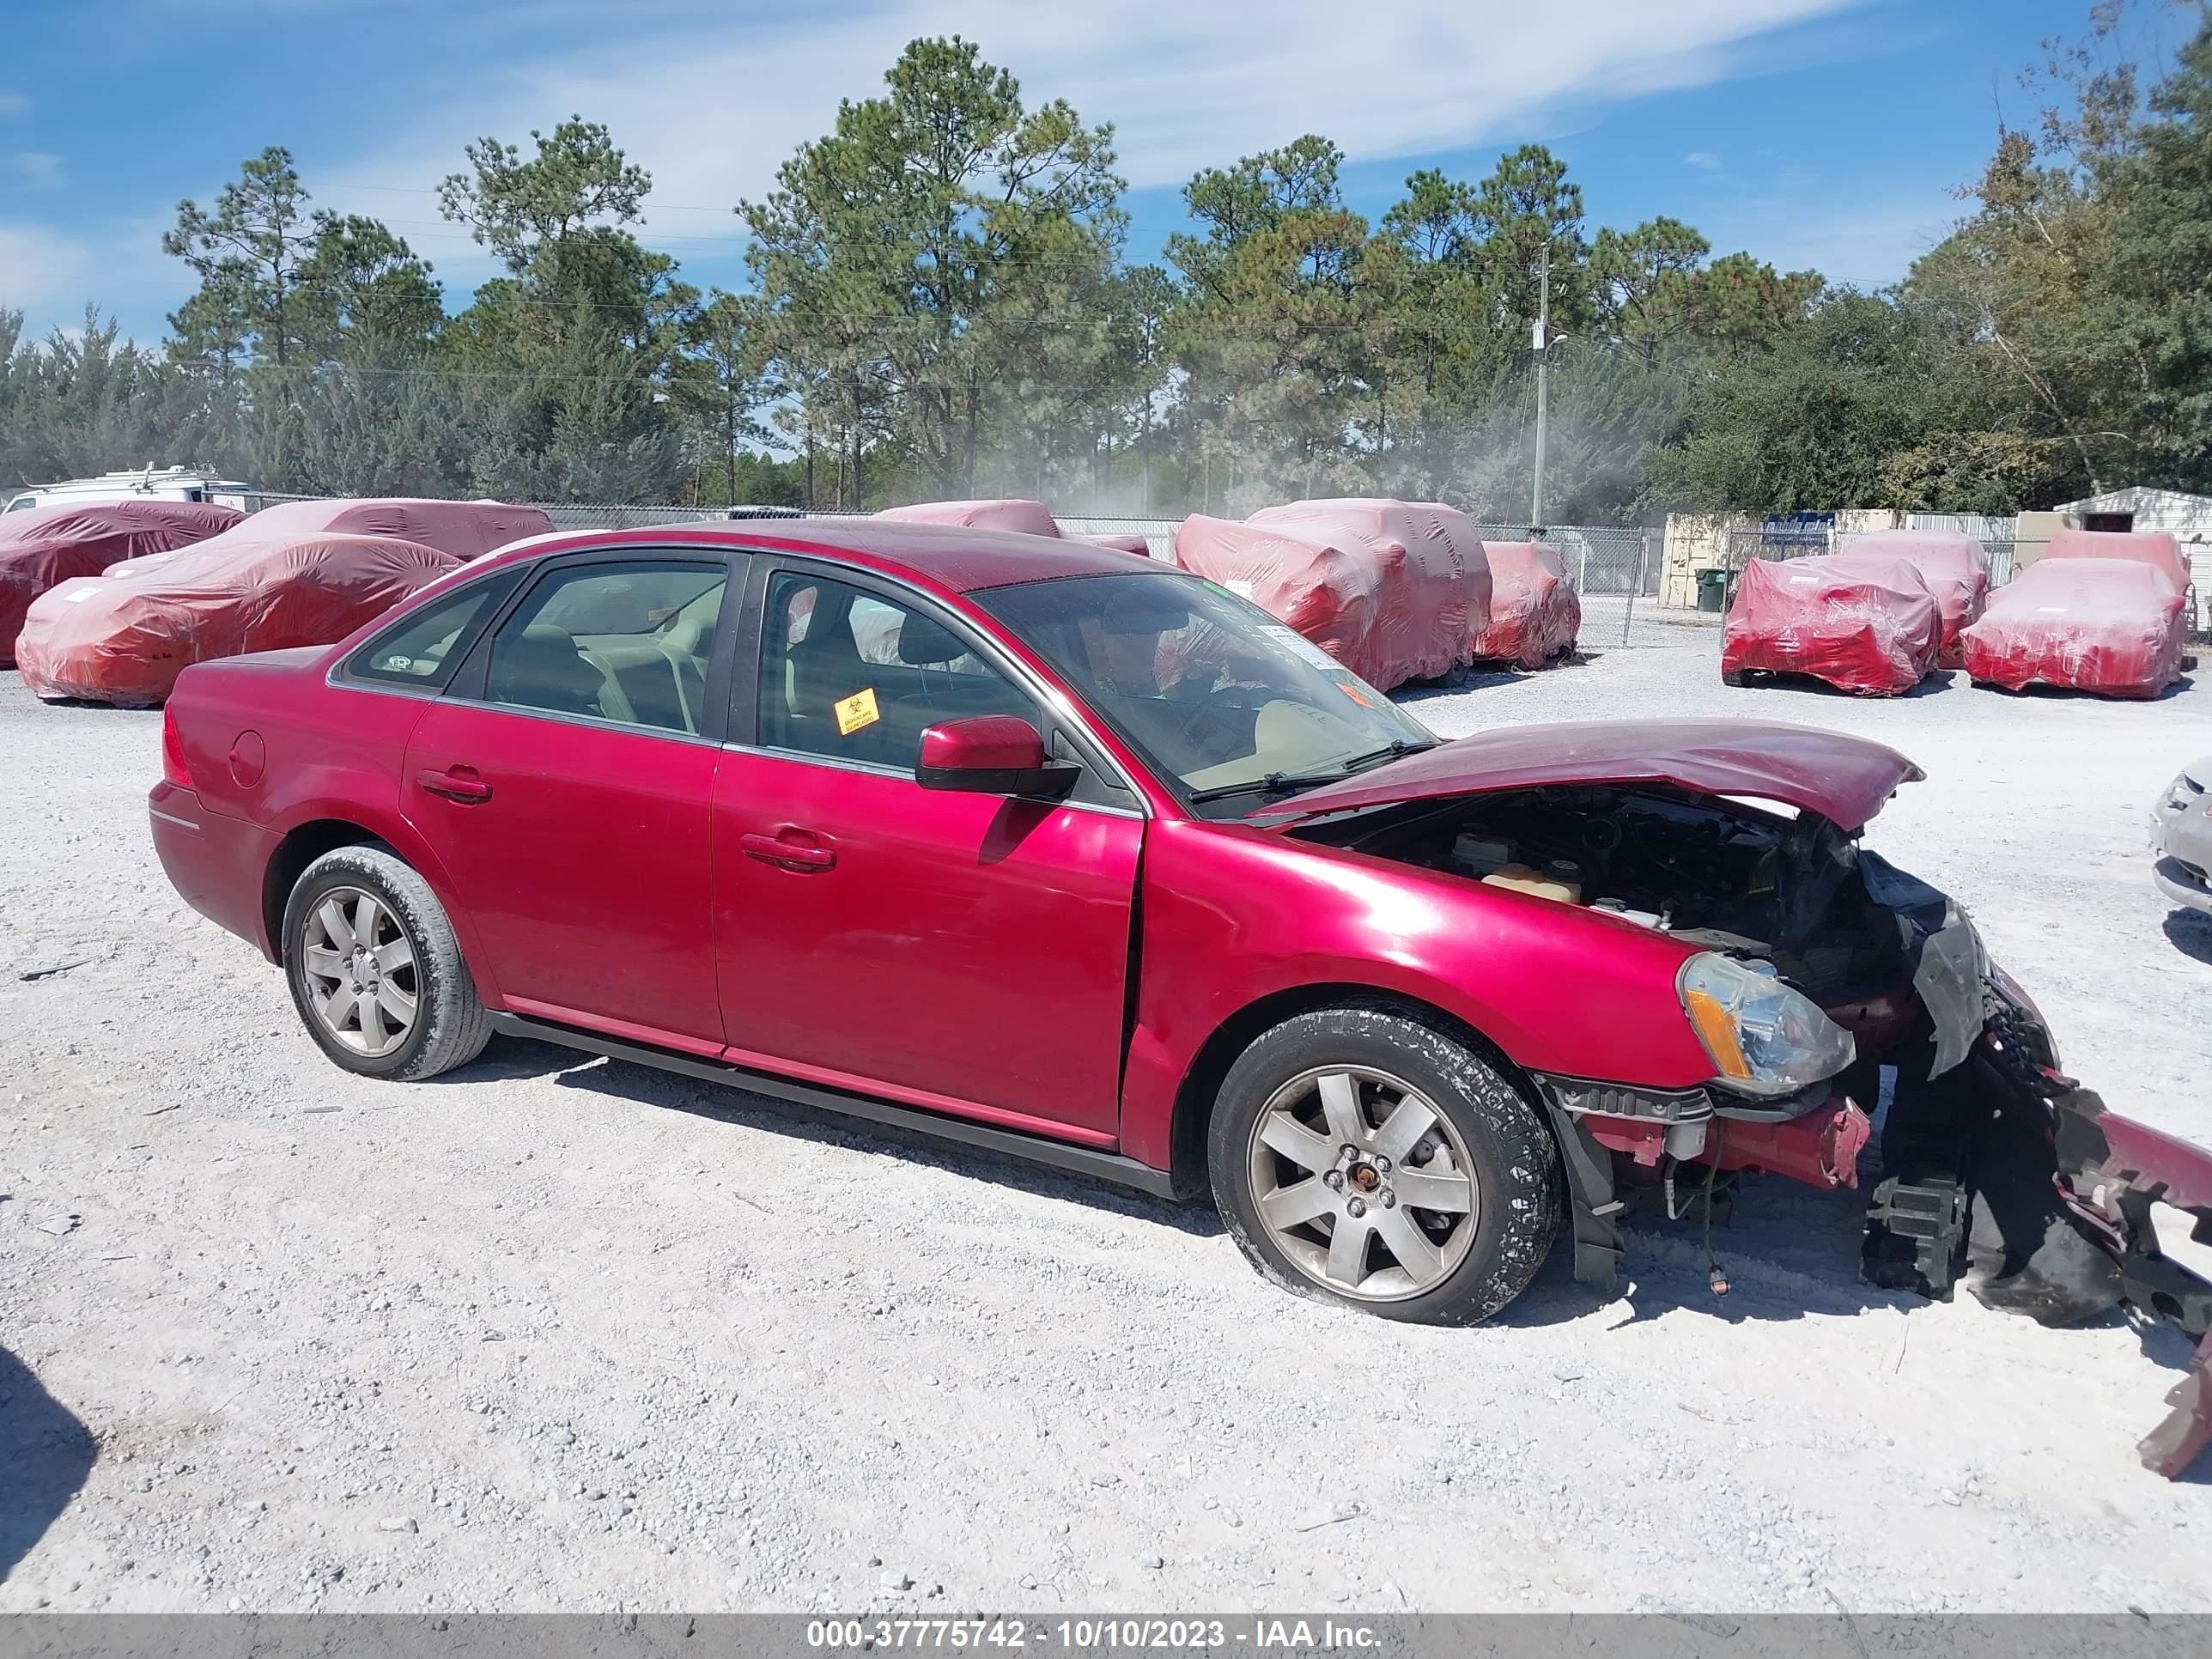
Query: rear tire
point(1323, 1186)
point(375, 970)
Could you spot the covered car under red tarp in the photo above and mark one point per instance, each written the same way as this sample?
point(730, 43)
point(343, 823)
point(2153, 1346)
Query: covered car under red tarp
point(2111, 626)
point(1030, 518)
point(2151, 547)
point(1859, 621)
point(46, 546)
point(1395, 591)
point(1534, 611)
point(467, 530)
point(1955, 567)
point(126, 638)
point(1136, 544)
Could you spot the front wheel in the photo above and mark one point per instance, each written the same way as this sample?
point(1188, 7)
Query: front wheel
point(375, 970)
point(1362, 1157)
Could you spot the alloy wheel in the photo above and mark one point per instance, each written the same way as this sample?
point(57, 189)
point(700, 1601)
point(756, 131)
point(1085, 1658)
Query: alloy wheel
point(1362, 1184)
point(359, 971)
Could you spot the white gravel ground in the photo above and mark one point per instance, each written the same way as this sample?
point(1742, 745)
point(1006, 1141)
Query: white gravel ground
point(564, 1333)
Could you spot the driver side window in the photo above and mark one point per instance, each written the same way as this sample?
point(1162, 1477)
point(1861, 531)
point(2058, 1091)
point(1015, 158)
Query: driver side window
point(850, 675)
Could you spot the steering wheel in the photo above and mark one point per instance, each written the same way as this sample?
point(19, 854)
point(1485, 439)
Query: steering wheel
point(1209, 707)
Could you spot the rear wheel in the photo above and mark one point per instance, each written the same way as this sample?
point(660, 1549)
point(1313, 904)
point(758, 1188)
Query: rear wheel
point(1362, 1157)
point(375, 970)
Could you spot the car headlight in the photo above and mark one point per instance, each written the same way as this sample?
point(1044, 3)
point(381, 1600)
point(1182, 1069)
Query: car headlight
point(1764, 1038)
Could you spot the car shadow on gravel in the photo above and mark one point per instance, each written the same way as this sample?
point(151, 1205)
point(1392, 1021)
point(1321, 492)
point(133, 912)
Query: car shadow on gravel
point(1931, 685)
point(2039, 692)
point(731, 1104)
point(102, 705)
point(45, 1453)
point(1784, 1254)
point(1414, 693)
point(2189, 932)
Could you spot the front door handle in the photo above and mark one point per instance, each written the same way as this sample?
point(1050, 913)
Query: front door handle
point(458, 783)
point(789, 848)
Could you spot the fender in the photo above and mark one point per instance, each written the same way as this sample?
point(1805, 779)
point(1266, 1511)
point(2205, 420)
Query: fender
point(1554, 986)
point(387, 825)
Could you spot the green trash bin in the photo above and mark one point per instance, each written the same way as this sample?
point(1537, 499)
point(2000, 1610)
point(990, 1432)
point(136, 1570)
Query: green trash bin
point(1712, 590)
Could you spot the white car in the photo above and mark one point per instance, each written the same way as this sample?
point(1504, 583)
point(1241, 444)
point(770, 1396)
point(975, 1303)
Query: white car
point(2181, 837)
point(172, 483)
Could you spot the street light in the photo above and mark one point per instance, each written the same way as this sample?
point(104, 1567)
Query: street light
point(1541, 339)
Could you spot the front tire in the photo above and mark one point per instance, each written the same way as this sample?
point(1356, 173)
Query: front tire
point(375, 970)
point(1363, 1157)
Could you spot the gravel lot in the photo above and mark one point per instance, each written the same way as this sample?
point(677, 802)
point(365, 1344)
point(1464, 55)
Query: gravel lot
point(564, 1333)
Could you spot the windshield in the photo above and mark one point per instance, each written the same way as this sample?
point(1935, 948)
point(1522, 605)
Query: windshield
point(1224, 703)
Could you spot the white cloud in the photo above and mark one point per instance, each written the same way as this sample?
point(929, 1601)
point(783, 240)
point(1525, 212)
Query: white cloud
point(1867, 245)
point(33, 169)
point(41, 267)
point(711, 100)
point(1702, 158)
point(14, 103)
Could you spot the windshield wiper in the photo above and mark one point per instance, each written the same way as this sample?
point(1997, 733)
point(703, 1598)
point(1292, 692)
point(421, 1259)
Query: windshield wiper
point(1396, 749)
point(1278, 783)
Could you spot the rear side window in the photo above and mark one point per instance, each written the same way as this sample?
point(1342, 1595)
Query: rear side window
point(422, 649)
point(626, 642)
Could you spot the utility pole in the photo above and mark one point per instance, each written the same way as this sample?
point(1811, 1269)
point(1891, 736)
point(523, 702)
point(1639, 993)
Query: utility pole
point(1542, 340)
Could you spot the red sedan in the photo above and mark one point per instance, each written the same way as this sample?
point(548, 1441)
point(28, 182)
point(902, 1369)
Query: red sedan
point(1052, 848)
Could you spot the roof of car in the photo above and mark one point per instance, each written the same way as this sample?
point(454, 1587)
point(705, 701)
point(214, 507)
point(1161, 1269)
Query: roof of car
point(958, 559)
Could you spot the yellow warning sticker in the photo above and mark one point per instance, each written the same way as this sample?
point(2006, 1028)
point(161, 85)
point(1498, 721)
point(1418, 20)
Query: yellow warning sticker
point(856, 711)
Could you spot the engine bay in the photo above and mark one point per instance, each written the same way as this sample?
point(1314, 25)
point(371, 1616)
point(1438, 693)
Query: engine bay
point(1717, 874)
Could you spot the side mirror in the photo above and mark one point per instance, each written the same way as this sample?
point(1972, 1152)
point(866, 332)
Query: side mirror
point(991, 754)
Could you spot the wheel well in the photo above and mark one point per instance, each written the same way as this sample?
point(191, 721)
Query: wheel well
point(300, 847)
point(1193, 1108)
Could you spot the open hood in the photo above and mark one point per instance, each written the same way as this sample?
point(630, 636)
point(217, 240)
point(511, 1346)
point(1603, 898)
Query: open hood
point(1844, 780)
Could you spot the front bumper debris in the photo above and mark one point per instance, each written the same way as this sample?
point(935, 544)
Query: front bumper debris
point(2112, 1171)
point(1999, 1164)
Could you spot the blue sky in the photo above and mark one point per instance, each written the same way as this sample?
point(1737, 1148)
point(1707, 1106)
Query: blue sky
point(1826, 133)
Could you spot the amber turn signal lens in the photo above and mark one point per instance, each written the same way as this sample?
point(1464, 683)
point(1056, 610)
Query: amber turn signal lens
point(1718, 1029)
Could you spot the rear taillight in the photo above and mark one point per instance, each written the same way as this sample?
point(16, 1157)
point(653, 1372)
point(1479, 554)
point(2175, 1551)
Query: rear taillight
point(174, 769)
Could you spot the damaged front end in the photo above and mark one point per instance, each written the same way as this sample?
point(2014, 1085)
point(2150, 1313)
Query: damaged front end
point(1994, 1166)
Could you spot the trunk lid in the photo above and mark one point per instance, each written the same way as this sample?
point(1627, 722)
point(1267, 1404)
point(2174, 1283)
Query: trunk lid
point(1844, 779)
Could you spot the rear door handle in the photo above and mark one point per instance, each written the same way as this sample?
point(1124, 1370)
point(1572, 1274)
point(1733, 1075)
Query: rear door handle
point(790, 847)
point(458, 783)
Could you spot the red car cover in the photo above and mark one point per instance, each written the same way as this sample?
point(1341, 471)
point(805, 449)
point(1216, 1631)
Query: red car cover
point(2111, 626)
point(2151, 547)
point(1859, 621)
point(1955, 566)
point(48, 545)
point(1534, 612)
point(1394, 591)
point(466, 530)
point(1472, 557)
point(1136, 544)
point(1031, 518)
point(125, 639)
